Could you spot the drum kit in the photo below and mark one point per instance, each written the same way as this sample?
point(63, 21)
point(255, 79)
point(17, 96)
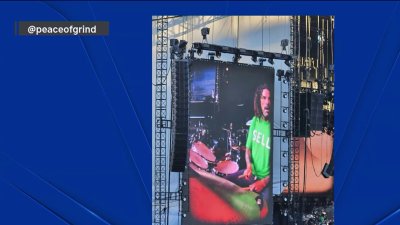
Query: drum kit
point(220, 156)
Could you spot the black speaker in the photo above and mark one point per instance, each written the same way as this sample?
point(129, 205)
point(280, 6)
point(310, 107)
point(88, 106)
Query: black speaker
point(316, 118)
point(179, 106)
point(308, 113)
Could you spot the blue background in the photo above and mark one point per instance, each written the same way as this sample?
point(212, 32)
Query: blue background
point(75, 112)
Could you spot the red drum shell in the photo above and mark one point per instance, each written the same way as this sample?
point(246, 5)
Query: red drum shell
point(227, 167)
point(197, 160)
point(204, 151)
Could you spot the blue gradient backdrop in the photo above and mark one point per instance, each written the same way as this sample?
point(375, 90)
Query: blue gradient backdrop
point(75, 112)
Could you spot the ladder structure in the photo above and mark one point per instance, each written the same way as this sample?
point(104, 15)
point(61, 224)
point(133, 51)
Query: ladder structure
point(160, 182)
point(294, 151)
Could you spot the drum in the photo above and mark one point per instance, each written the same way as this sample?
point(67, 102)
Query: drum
point(203, 151)
point(201, 156)
point(197, 160)
point(226, 167)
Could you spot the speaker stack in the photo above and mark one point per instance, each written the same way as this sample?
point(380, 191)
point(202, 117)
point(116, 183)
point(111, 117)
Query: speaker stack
point(308, 113)
point(180, 98)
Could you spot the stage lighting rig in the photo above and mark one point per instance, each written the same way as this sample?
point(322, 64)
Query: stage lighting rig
point(287, 62)
point(238, 52)
point(204, 32)
point(236, 58)
point(199, 51)
point(271, 61)
point(254, 58)
point(174, 47)
point(182, 48)
point(211, 55)
point(280, 74)
point(288, 75)
point(182, 44)
point(177, 48)
point(261, 61)
point(173, 42)
point(284, 44)
point(191, 53)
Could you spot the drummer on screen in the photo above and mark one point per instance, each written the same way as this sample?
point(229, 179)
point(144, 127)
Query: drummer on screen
point(256, 176)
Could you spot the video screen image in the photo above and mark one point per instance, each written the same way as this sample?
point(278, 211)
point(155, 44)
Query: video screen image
point(230, 136)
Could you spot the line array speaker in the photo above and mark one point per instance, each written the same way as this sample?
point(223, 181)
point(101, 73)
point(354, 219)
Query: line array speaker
point(179, 128)
point(308, 113)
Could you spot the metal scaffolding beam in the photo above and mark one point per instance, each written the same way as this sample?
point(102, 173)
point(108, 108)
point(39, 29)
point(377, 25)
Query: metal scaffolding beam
point(294, 151)
point(161, 182)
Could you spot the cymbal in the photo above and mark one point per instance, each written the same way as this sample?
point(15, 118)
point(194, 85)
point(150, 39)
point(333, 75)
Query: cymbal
point(197, 127)
point(248, 123)
point(242, 131)
point(237, 148)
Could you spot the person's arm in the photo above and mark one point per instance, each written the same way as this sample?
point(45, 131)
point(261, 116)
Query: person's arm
point(266, 180)
point(247, 173)
point(259, 185)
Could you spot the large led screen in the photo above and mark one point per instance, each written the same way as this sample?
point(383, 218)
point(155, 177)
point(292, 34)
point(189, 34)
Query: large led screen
point(230, 150)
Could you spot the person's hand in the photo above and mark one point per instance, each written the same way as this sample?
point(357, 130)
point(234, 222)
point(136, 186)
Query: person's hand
point(258, 186)
point(247, 173)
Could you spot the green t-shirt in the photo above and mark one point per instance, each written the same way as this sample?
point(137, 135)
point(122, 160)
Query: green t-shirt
point(259, 142)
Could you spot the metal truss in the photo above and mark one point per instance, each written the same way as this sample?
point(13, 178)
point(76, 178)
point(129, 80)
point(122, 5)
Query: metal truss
point(161, 182)
point(294, 151)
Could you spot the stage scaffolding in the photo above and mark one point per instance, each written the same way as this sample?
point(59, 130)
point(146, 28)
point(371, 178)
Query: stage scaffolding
point(161, 182)
point(161, 186)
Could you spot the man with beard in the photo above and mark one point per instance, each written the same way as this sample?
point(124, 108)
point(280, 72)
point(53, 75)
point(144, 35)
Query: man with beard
point(256, 177)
